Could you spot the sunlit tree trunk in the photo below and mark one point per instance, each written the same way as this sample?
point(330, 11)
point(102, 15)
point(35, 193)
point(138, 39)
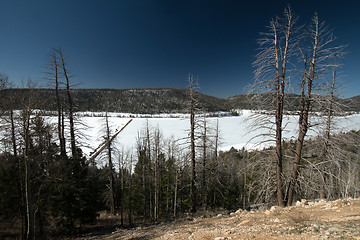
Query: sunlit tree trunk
point(156, 173)
point(122, 179)
point(304, 121)
point(272, 59)
point(204, 148)
point(110, 166)
point(63, 65)
point(54, 77)
point(175, 193)
point(192, 145)
point(13, 134)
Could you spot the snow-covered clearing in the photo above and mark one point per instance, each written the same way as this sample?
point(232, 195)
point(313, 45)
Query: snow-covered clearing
point(235, 131)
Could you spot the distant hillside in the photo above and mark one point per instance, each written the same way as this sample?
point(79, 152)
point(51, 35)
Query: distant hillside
point(292, 102)
point(156, 100)
point(263, 101)
point(353, 103)
point(151, 101)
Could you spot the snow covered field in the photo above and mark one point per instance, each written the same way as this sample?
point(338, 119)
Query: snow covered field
point(235, 131)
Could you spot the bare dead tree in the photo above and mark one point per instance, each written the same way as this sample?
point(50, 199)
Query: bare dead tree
point(121, 162)
point(7, 108)
point(54, 77)
point(326, 144)
point(157, 150)
point(111, 171)
point(320, 52)
point(216, 140)
point(204, 166)
point(63, 66)
point(149, 158)
point(176, 192)
point(207, 137)
point(192, 108)
point(26, 117)
point(13, 134)
point(275, 49)
point(130, 210)
point(331, 153)
point(172, 151)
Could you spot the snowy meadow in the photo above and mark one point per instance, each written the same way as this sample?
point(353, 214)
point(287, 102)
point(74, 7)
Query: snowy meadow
point(234, 131)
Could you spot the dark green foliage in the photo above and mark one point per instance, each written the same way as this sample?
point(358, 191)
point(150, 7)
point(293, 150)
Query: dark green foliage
point(63, 193)
point(76, 193)
point(168, 171)
point(143, 185)
point(9, 187)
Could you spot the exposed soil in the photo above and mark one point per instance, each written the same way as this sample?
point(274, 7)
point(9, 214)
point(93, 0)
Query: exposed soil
point(338, 219)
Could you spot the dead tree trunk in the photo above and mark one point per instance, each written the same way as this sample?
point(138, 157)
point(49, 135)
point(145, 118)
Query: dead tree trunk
point(63, 65)
point(54, 78)
point(26, 115)
point(156, 173)
point(122, 180)
point(130, 215)
point(147, 172)
point(204, 186)
point(275, 48)
point(192, 145)
point(324, 151)
point(13, 135)
point(110, 167)
point(304, 113)
point(175, 193)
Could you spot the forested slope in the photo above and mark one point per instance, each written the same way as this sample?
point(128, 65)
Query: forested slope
point(150, 101)
point(159, 100)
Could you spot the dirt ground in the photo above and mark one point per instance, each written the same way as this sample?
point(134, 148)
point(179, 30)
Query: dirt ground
point(306, 220)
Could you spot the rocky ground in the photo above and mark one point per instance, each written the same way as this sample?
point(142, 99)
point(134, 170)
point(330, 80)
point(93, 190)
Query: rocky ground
point(338, 219)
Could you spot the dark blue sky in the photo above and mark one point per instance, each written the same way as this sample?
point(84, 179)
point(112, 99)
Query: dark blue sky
point(144, 43)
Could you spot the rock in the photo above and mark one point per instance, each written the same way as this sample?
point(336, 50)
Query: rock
point(327, 206)
point(239, 211)
point(244, 222)
point(219, 215)
point(301, 203)
point(274, 208)
point(315, 227)
point(267, 212)
point(221, 238)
